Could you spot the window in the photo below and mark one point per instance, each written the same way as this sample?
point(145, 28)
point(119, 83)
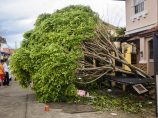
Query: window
point(139, 7)
point(139, 10)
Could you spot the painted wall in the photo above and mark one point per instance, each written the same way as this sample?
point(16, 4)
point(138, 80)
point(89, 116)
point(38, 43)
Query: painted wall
point(128, 58)
point(150, 65)
point(145, 48)
point(151, 17)
point(151, 68)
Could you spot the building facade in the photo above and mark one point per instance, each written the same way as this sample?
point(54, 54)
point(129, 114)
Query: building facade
point(141, 21)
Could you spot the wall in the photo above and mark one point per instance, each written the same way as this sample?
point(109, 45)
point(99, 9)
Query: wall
point(145, 60)
point(151, 68)
point(151, 17)
point(128, 58)
point(1, 47)
point(157, 11)
point(150, 65)
point(11, 51)
point(6, 50)
point(143, 49)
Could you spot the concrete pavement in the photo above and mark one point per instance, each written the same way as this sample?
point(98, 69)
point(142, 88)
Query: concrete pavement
point(16, 102)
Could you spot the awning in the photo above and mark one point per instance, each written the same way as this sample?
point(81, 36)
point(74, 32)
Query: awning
point(154, 29)
point(129, 80)
point(4, 53)
point(121, 39)
point(133, 39)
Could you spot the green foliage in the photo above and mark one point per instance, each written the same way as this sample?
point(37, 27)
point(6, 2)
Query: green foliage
point(42, 56)
point(27, 34)
point(120, 100)
point(41, 18)
point(121, 30)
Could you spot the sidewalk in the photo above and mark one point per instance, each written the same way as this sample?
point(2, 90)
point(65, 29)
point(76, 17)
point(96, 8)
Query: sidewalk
point(16, 102)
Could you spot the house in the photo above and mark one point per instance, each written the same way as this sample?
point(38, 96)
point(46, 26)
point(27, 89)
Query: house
point(141, 21)
point(111, 28)
point(9, 51)
point(2, 41)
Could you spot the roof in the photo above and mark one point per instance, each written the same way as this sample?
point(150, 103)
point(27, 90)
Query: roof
point(146, 33)
point(154, 29)
point(2, 40)
point(112, 26)
point(129, 80)
point(133, 38)
point(121, 39)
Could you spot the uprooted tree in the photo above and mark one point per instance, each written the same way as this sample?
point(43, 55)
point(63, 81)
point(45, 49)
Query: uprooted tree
point(53, 53)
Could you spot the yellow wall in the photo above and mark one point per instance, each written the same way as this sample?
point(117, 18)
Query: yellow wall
point(127, 57)
point(113, 74)
point(134, 65)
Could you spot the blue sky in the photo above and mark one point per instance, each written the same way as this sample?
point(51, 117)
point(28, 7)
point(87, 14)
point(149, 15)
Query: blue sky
point(19, 16)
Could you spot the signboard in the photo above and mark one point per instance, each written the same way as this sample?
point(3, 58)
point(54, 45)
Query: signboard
point(140, 88)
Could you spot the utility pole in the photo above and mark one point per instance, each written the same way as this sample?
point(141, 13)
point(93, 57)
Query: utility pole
point(155, 47)
point(15, 45)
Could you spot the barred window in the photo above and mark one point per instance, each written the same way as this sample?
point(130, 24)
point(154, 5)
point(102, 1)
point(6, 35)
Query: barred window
point(139, 7)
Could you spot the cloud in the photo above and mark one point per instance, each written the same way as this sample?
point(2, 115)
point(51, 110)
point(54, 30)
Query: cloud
point(19, 16)
point(12, 39)
point(19, 26)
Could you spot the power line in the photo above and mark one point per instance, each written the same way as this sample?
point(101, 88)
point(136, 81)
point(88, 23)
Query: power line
point(72, 1)
point(62, 2)
point(92, 5)
point(6, 41)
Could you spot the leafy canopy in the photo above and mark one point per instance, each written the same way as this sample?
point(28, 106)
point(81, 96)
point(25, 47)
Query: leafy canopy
point(121, 30)
point(49, 52)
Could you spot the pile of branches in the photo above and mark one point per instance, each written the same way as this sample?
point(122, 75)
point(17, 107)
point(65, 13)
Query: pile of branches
point(101, 49)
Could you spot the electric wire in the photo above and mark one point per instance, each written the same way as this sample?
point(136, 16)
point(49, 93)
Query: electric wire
point(6, 37)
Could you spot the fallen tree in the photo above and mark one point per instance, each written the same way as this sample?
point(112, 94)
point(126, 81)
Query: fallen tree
point(53, 53)
point(101, 49)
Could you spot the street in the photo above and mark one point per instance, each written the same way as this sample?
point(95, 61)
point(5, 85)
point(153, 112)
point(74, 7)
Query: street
point(19, 103)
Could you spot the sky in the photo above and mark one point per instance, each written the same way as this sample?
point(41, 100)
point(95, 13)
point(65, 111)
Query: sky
point(19, 16)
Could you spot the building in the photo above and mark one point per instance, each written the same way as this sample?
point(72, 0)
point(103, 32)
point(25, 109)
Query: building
point(9, 51)
point(141, 21)
point(2, 41)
